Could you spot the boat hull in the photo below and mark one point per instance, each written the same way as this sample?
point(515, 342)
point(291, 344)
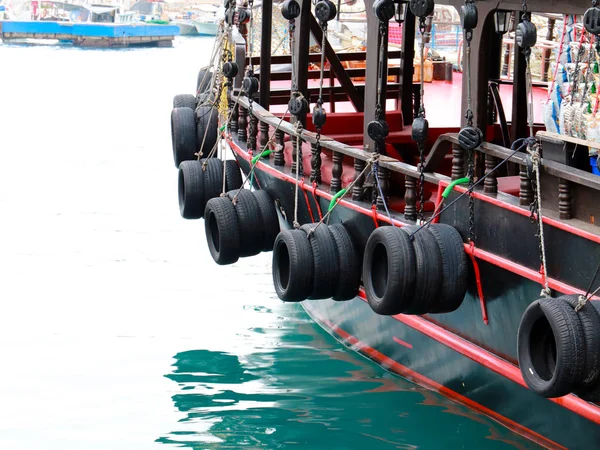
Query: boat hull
point(456, 354)
point(206, 28)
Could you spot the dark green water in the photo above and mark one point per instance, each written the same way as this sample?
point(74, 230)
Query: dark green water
point(118, 331)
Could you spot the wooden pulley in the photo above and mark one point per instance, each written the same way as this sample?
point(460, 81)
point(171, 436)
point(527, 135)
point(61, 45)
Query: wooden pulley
point(422, 8)
point(468, 16)
point(526, 34)
point(298, 104)
point(230, 69)
point(420, 130)
point(290, 9)
point(243, 16)
point(319, 116)
point(384, 10)
point(325, 11)
point(250, 85)
point(591, 20)
point(470, 138)
point(378, 130)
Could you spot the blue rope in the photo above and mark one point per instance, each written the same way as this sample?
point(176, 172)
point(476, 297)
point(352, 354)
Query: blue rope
point(376, 173)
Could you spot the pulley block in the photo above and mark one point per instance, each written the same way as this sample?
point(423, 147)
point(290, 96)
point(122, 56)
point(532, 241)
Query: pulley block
point(384, 10)
point(470, 138)
point(319, 116)
point(230, 16)
point(378, 130)
point(468, 16)
point(591, 20)
point(298, 105)
point(420, 130)
point(230, 69)
point(526, 34)
point(422, 8)
point(325, 11)
point(290, 9)
point(243, 16)
point(250, 85)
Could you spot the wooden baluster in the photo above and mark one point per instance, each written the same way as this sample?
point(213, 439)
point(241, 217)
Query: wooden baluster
point(315, 162)
point(525, 189)
point(233, 124)
point(243, 124)
point(336, 172)
point(264, 135)
point(458, 162)
point(410, 198)
point(490, 184)
point(279, 159)
point(564, 199)
point(357, 189)
point(253, 135)
point(384, 184)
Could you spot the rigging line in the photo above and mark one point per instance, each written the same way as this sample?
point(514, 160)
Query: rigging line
point(470, 189)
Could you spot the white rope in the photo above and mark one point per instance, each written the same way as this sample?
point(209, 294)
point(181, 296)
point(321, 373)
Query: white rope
point(535, 158)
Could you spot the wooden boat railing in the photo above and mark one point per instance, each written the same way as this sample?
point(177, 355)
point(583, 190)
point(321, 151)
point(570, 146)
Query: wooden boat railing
point(569, 178)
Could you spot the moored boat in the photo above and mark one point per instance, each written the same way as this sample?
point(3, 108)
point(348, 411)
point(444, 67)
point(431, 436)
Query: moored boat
point(441, 225)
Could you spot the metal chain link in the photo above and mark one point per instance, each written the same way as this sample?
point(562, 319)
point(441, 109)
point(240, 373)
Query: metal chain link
point(320, 99)
point(421, 145)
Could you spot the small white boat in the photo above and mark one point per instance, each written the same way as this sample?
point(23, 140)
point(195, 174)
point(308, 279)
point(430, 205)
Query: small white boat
point(207, 19)
point(187, 27)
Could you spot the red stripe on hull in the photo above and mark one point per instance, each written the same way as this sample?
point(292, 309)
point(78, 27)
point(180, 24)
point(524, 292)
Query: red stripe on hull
point(422, 380)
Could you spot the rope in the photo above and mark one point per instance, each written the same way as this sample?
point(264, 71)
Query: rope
point(535, 158)
point(369, 162)
point(376, 174)
point(471, 188)
point(298, 165)
point(560, 50)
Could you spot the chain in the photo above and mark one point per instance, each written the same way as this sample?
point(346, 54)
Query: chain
point(421, 145)
point(320, 100)
point(469, 117)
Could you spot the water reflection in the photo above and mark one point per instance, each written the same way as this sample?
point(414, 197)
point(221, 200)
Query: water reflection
point(308, 392)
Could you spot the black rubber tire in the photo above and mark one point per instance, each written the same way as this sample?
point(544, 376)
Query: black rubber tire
point(183, 135)
point(551, 348)
point(222, 230)
point(293, 269)
point(233, 175)
point(389, 270)
point(591, 394)
point(184, 101)
point(590, 321)
point(191, 190)
point(349, 263)
point(325, 257)
point(202, 83)
point(250, 220)
point(455, 269)
point(205, 99)
point(213, 178)
point(428, 278)
point(269, 218)
point(207, 122)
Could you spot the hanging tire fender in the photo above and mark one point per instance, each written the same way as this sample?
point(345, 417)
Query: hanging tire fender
point(222, 230)
point(207, 128)
point(428, 276)
point(455, 269)
point(389, 270)
point(184, 101)
point(293, 267)
point(349, 263)
point(183, 135)
point(213, 178)
point(269, 217)
point(251, 225)
point(590, 322)
point(190, 189)
point(233, 175)
point(551, 348)
point(325, 259)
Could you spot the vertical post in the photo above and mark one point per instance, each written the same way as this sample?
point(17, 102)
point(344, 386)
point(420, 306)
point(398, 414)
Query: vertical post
point(357, 190)
point(406, 76)
point(265, 67)
point(302, 48)
point(525, 189)
point(547, 52)
point(242, 124)
point(279, 159)
point(336, 172)
point(490, 185)
point(410, 198)
point(315, 162)
point(564, 199)
point(519, 112)
point(458, 162)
